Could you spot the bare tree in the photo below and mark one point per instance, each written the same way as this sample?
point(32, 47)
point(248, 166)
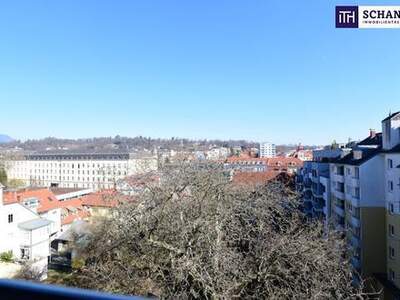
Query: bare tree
point(195, 236)
point(30, 272)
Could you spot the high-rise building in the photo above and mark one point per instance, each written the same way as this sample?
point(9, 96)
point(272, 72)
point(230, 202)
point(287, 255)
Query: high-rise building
point(267, 150)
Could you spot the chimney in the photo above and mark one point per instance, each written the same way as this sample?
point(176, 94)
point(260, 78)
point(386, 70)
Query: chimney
point(372, 133)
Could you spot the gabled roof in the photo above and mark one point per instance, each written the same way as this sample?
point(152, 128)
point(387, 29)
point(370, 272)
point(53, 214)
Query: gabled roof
point(47, 200)
point(101, 199)
point(391, 116)
point(367, 154)
point(375, 140)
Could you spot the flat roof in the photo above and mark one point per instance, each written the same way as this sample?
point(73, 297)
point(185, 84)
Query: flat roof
point(34, 224)
point(61, 191)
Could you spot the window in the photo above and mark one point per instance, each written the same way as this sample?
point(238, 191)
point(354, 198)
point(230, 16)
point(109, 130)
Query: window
point(25, 254)
point(390, 163)
point(357, 193)
point(391, 230)
point(391, 208)
point(10, 218)
point(390, 186)
point(391, 252)
point(357, 173)
point(392, 275)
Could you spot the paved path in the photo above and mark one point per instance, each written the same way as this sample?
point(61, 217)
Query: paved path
point(8, 270)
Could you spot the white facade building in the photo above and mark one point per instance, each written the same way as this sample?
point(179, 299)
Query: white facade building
point(217, 153)
point(78, 170)
point(267, 150)
point(358, 205)
point(23, 232)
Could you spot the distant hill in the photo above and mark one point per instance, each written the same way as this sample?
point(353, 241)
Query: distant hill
point(5, 139)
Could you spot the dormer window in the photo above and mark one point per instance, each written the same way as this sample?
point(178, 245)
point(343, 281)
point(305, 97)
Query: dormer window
point(357, 154)
point(31, 203)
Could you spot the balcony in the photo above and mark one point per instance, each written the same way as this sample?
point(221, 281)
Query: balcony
point(339, 194)
point(339, 210)
point(355, 221)
point(338, 177)
point(317, 193)
point(325, 196)
point(325, 211)
point(355, 262)
point(355, 202)
point(314, 179)
point(354, 182)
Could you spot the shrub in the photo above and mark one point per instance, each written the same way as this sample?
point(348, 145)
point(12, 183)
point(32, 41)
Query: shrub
point(6, 256)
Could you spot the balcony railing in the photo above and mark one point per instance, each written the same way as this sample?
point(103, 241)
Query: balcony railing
point(355, 202)
point(338, 177)
point(355, 182)
point(22, 290)
point(339, 194)
point(339, 210)
point(355, 221)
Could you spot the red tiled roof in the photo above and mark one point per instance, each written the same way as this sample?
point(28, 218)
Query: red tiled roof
point(104, 198)
point(47, 200)
point(271, 162)
point(81, 214)
point(254, 178)
point(284, 161)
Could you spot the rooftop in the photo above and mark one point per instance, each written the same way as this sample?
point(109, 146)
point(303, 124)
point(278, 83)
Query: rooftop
point(391, 116)
point(47, 200)
point(372, 140)
point(61, 191)
point(34, 224)
point(367, 153)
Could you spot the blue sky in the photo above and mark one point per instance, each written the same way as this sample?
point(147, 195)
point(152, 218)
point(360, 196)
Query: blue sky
point(259, 70)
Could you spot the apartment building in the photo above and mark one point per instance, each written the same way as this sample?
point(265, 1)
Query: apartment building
point(267, 150)
point(313, 182)
point(358, 203)
point(391, 160)
point(67, 169)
